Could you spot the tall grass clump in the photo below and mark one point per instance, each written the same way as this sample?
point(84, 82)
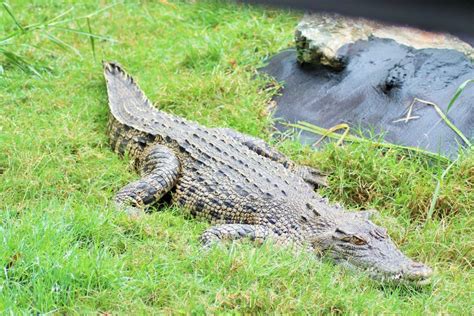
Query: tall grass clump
point(21, 36)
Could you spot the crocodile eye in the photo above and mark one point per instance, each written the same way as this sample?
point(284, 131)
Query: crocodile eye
point(346, 239)
point(357, 241)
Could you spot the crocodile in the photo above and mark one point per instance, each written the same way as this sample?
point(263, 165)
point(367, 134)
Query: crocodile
point(241, 185)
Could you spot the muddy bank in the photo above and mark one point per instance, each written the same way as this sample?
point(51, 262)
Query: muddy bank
point(373, 90)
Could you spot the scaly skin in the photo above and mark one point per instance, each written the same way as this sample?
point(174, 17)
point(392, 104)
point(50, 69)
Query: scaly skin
point(241, 185)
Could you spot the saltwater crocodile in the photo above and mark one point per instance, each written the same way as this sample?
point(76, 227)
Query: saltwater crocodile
point(241, 185)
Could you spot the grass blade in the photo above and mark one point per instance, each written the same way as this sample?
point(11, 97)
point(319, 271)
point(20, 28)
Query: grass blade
point(98, 11)
point(437, 191)
point(92, 40)
point(53, 23)
point(445, 119)
point(59, 16)
point(6, 39)
point(7, 8)
point(65, 46)
point(67, 29)
point(305, 126)
point(458, 93)
point(20, 62)
point(337, 127)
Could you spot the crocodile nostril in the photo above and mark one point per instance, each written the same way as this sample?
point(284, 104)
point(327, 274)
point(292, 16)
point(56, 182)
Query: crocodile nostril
point(419, 271)
point(417, 265)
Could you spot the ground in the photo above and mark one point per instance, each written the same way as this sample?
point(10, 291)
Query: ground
point(64, 248)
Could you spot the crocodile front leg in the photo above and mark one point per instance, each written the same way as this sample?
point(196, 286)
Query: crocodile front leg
point(312, 176)
point(159, 170)
point(229, 232)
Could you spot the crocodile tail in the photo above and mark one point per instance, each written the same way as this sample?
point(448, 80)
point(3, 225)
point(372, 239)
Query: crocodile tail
point(129, 109)
point(126, 99)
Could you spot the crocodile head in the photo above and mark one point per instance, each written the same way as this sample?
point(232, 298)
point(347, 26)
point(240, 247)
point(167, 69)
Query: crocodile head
point(355, 242)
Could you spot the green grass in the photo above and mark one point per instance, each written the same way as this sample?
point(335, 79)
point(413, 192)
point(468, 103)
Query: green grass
point(63, 249)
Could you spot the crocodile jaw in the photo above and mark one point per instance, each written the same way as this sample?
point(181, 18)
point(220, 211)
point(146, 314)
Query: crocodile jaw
point(404, 271)
point(414, 273)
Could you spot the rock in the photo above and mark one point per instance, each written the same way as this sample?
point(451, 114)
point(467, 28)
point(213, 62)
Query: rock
point(320, 38)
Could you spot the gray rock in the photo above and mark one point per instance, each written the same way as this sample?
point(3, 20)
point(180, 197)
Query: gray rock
point(320, 37)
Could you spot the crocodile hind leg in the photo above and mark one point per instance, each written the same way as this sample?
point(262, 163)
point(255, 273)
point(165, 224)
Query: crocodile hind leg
point(229, 232)
point(310, 175)
point(159, 172)
point(314, 177)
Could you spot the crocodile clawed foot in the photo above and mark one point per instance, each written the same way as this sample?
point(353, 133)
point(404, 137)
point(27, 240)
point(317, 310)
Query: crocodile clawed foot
point(131, 211)
point(134, 212)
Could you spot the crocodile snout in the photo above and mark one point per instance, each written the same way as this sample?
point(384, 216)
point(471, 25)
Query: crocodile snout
point(418, 272)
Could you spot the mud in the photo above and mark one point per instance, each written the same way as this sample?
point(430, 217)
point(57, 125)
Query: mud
point(373, 91)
